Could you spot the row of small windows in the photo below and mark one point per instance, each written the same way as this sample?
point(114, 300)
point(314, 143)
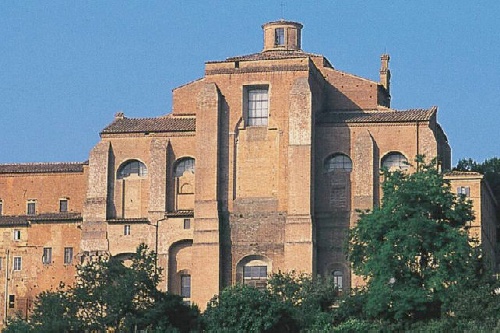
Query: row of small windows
point(31, 206)
point(17, 261)
point(135, 167)
point(391, 161)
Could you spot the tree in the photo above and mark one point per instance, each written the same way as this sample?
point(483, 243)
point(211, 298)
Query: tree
point(414, 248)
point(54, 311)
point(246, 309)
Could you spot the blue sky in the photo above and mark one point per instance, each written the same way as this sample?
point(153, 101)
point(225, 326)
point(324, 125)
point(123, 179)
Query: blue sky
point(66, 67)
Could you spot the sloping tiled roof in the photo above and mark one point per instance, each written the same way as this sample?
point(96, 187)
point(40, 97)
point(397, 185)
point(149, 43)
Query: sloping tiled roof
point(378, 117)
point(274, 55)
point(12, 220)
point(42, 167)
point(180, 213)
point(128, 220)
point(152, 125)
point(456, 173)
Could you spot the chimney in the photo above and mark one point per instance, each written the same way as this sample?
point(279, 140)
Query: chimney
point(385, 73)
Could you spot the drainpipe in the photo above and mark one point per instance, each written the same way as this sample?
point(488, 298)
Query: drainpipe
point(6, 286)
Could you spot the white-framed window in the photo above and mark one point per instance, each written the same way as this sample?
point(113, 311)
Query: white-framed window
point(47, 256)
point(279, 36)
point(17, 263)
point(31, 207)
point(395, 161)
point(187, 223)
point(186, 286)
point(68, 255)
point(463, 190)
point(63, 205)
point(126, 229)
point(17, 234)
point(338, 277)
point(338, 162)
point(132, 167)
point(257, 105)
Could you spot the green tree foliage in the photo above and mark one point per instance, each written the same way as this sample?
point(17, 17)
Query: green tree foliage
point(414, 248)
point(246, 309)
point(311, 300)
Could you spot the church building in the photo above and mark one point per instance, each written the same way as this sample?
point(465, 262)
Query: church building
point(259, 167)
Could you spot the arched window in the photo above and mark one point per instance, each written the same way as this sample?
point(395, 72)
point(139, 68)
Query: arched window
point(132, 167)
point(395, 160)
point(338, 162)
point(338, 279)
point(183, 165)
point(253, 271)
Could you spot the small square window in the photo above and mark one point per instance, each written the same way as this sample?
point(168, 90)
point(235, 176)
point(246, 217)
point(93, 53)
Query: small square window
point(68, 255)
point(63, 205)
point(17, 234)
point(18, 262)
point(126, 229)
point(463, 190)
point(31, 207)
point(187, 223)
point(12, 301)
point(47, 256)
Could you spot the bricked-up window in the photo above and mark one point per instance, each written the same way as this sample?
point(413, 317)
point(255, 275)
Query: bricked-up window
point(183, 165)
point(338, 279)
point(338, 162)
point(395, 161)
point(257, 105)
point(132, 167)
point(63, 205)
point(68, 255)
point(17, 234)
point(31, 207)
point(186, 286)
point(12, 301)
point(463, 190)
point(279, 36)
point(187, 223)
point(47, 256)
point(18, 262)
point(126, 229)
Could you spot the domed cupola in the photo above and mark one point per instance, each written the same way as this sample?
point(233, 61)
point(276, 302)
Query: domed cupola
point(282, 35)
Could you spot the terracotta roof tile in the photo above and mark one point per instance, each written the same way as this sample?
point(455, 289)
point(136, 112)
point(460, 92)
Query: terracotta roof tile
point(42, 167)
point(456, 173)
point(273, 55)
point(378, 117)
point(154, 125)
point(12, 220)
point(128, 220)
point(180, 213)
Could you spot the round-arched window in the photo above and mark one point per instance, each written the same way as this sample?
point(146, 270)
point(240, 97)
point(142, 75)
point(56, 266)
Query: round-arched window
point(395, 160)
point(132, 167)
point(338, 162)
point(337, 279)
point(183, 165)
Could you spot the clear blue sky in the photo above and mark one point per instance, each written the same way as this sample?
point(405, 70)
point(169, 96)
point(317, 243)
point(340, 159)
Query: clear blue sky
point(66, 67)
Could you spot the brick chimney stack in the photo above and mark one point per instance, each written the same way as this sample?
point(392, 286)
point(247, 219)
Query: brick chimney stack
point(385, 73)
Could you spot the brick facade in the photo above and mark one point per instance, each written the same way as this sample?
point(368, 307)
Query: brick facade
point(228, 180)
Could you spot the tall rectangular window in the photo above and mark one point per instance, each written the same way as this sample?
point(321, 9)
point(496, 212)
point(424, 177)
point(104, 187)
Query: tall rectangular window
point(17, 234)
point(279, 36)
point(12, 301)
point(186, 286)
point(31, 207)
point(63, 205)
point(1, 207)
point(47, 255)
point(68, 255)
point(126, 229)
point(187, 223)
point(257, 106)
point(18, 262)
